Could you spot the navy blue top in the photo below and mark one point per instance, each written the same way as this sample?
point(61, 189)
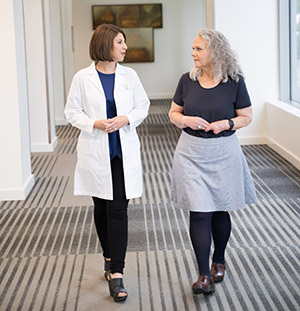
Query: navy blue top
point(108, 84)
point(214, 104)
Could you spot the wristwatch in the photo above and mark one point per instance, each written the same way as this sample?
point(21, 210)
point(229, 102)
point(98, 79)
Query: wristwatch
point(231, 124)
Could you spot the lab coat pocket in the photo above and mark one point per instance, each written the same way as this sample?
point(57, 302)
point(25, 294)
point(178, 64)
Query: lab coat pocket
point(131, 150)
point(88, 151)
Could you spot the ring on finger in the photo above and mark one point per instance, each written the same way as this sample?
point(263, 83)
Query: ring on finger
point(199, 126)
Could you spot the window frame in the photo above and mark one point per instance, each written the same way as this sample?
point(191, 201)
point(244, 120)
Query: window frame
point(285, 50)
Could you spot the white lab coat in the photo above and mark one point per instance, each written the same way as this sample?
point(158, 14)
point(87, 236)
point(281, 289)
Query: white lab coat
point(86, 103)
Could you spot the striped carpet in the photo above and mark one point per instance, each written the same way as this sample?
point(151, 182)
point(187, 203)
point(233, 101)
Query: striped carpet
point(50, 258)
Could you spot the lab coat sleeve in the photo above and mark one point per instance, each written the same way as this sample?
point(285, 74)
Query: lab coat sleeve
point(74, 110)
point(140, 106)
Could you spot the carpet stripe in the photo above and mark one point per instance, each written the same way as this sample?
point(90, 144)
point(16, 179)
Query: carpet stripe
point(240, 280)
point(50, 254)
point(279, 162)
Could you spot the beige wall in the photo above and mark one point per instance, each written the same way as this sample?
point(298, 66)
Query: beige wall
point(172, 43)
point(16, 179)
point(252, 33)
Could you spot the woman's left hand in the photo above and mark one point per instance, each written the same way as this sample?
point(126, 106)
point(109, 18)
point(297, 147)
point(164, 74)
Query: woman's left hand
point(217, 126)
point(242, 119)
point(114, 124)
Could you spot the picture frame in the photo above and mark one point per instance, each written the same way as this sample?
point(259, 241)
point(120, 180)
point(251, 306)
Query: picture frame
point(103, 14)
point(140, 45)
point(128, 16)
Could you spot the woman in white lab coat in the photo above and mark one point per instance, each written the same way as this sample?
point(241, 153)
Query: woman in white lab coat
point(107, 102)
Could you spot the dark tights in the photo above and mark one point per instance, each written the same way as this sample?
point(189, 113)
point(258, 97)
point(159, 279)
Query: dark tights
point(203, 227)
point(111, 220)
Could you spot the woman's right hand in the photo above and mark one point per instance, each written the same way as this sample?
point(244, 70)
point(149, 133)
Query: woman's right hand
point(111, 125)
point(195, 123)
point(180, 120)
point(100, 124)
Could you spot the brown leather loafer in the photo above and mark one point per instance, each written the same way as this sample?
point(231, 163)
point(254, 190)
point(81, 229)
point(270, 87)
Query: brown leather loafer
point(204, 285)
point(217, 272)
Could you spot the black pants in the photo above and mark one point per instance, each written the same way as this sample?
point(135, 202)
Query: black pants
point(204, 227)
point(111, 220)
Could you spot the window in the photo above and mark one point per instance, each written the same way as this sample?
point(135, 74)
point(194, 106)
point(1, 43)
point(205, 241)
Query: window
point(290, 51)
point(295, 49)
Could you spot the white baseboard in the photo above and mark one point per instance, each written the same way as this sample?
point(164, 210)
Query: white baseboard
point(17, 193)
point(284, 153)
point(160, 95)
point(44, 147)
point(260, 140)
point(275, 146)
point(61, 122)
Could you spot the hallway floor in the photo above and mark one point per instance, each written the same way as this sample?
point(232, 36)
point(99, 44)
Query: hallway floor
point(50, 258)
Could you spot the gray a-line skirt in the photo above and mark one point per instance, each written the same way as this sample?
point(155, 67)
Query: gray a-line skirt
point(211, 174)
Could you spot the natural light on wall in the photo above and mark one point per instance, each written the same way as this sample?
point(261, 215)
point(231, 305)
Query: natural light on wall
point(295, 50)
point(289, 17)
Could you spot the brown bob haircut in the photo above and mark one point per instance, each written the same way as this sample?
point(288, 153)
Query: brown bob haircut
point(102, 42)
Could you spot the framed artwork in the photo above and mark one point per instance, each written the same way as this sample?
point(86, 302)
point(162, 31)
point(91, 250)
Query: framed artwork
point(128, 16)
point(137, 21)
point(103, 14)
point(150, 15)
point(140, 45)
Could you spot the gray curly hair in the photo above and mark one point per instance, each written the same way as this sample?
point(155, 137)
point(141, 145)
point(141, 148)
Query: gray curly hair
point(222, 57)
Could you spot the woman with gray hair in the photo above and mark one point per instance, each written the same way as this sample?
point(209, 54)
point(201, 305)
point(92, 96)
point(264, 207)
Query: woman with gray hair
point(210, 176)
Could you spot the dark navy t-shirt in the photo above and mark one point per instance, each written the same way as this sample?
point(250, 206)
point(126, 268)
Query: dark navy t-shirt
point(108, 84)
point(214, 104)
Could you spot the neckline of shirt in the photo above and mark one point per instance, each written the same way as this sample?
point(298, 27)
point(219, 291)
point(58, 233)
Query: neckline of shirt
point(208, 88)
point(105, 74)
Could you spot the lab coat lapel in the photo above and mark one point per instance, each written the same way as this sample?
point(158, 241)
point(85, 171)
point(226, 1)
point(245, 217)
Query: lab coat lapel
point(120, 80)
point(94, 78)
